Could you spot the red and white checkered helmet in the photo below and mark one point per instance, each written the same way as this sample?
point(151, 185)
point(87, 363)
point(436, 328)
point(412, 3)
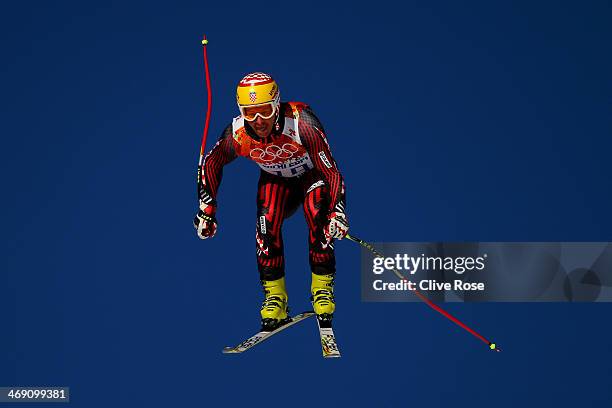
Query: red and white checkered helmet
point(257, 89)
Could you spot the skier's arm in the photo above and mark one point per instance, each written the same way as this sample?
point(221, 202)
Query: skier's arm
point(315, 142)
point(211, 171)
point(209, 178)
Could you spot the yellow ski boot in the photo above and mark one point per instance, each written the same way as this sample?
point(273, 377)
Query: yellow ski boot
point(322, 290)
point(274, 307)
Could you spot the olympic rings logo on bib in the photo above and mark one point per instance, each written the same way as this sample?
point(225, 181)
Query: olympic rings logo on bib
point(274, 152)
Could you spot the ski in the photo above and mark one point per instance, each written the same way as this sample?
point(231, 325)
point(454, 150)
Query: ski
point(328, 340)
point(264, 335)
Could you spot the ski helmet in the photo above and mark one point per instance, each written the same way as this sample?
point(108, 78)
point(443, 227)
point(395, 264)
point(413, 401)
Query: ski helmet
point(258, 90)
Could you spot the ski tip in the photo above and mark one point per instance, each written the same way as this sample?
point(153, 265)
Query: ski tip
point(229, 350)
point(494, 347)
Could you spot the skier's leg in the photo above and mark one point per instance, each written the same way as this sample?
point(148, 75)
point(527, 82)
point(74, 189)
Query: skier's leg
point(321, 253)
point(272, 197)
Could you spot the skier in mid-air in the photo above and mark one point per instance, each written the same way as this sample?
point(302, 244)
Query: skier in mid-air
point(288, 143)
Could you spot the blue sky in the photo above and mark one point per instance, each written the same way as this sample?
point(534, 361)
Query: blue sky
point(476, 121)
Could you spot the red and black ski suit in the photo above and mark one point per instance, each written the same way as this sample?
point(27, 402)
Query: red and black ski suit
point(296, 168)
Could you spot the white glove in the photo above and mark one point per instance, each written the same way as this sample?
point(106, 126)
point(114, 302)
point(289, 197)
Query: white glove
point(205, 222)
point(338, 226)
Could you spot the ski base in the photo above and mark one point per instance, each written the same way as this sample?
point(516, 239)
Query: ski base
point(264, 335)
point(328, 340)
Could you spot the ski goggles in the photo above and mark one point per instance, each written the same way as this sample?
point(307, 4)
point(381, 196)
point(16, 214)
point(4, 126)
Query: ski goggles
point(264, 111)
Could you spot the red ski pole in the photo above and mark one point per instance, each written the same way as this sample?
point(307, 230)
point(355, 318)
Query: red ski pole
point(209, 103)
point(427, 301)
